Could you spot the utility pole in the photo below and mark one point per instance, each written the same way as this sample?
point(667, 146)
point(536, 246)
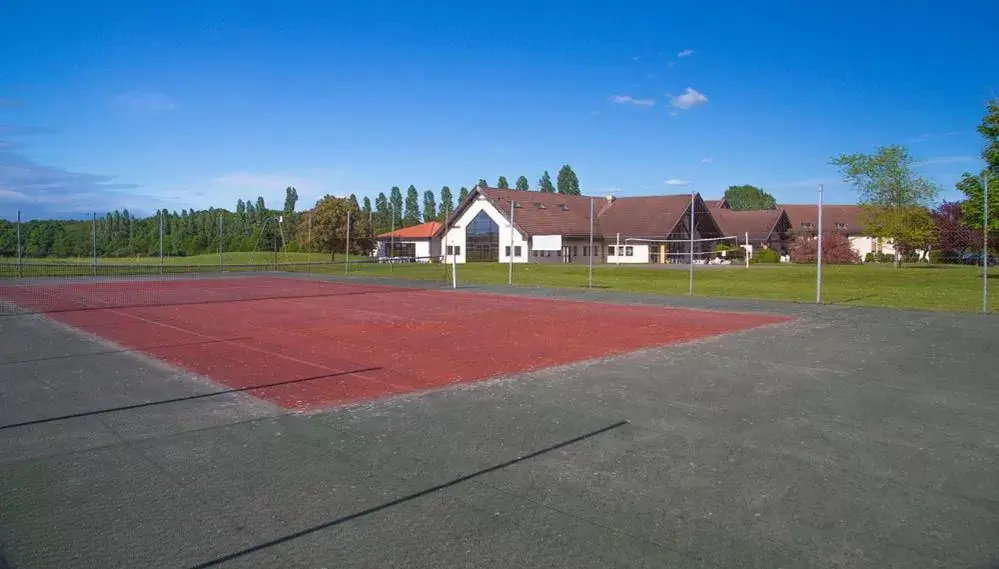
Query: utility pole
point(985, 245)
point(590, 282)
point(818, 264)
point(690, 286)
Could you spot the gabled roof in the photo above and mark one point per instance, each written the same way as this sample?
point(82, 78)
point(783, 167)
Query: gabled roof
point(845, 218)
point(643, 217)
point(421, 231)
point(542, 213)
point(759, 224)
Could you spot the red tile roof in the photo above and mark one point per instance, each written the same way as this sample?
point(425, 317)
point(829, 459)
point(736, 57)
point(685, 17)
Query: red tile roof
point(845, 218)
point(421, 231)
point(559, 214)
point(759, 224)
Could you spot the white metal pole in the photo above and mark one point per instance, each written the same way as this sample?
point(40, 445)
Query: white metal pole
point(818, 261)
point(590, 281)
point(161, 241)
point(690, 286)
point(746, 252)
point(617, 250)
point(93, 231)
point(346, 252)
point(985, 245)
point(510, 256)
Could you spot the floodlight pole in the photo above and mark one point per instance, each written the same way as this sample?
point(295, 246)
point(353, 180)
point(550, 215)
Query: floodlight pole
point(20, 266)
point(510, 256)
point(590, 281)
point(818, 260)
point(985, 244)
point(690, 286)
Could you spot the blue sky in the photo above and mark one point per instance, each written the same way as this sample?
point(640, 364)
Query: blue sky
point(190, 104)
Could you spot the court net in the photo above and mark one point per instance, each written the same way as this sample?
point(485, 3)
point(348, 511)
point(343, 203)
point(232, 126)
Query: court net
point(712, 250)
point(39, 287)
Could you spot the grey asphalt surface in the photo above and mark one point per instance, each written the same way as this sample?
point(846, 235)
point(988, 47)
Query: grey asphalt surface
point(847, 437)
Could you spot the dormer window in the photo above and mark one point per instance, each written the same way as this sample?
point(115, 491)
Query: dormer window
point(539, 205)
point(563, 207)
point(806, 225)
point(840, 225)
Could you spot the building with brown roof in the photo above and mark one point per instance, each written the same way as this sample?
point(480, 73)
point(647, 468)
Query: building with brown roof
point(418, 242)
point(549, 227)
point(767, 228)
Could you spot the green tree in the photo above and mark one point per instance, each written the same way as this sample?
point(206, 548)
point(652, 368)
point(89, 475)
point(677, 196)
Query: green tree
point(429, 206)
point(366, 207)
point(412, 214)
point(892, 194)
point(395, 205)
point(447, 202)
point(545, 183)
point(329, 226)
point(502, 183)
point(749, 198)
point(290, 200)
point(382, 219)
point(522, 184)
point(973, 187)
point(462, 194)
point(482, 183)
point(567, 181)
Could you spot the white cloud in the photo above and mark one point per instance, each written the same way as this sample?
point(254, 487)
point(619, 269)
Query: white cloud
point(676, 182)
point(685, 53)
point(136, 102)
point(628, 99)
point(689, 99)
point(707, 160)
point(947, 160)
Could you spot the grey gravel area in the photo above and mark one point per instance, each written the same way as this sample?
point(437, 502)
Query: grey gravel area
point(846, 437)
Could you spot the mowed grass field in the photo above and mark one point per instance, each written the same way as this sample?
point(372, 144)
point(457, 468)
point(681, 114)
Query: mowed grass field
point(933, 287)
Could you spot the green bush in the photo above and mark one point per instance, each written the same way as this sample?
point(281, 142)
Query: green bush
point(731, 251)
point(765, 256)
point(878, 258)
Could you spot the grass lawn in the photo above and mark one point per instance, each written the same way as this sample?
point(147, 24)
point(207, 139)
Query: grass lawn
point(935, 287)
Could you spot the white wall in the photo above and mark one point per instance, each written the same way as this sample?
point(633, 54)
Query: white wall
point(456, 234)
point(424, 248)
point(640, 253)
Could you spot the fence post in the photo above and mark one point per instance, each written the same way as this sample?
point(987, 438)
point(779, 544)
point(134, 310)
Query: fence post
point(509, 276)
point(590, 281)
point(745, 253)
point(20, 267)
point(346, 252)
point(690, 286)
point(818, 264)
point(161, 241)
point(985, 244)
point(221, 259)
point(93, 240)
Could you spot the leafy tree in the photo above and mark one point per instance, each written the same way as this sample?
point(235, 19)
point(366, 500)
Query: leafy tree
point(412, 214)
point(429, 206)
point(502, 183)
point(366, 208)
point(953, 235)
point(382, 221)
point(836, 250)
point(895, 199)
point(395, 202)
point(545, 183)
point(482, 183)
point(522, 184)
point(447, 202)
point(290, 199)
point(462, 194)
point(749, 198)
point(329, 226)
point(568, 183)
point(973, 187)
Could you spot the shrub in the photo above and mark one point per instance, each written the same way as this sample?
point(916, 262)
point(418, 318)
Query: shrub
point(836, 250)
point(731, 251)
point(765, 256)
point(877, 258)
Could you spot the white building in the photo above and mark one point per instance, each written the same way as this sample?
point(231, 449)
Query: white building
point(419, 242)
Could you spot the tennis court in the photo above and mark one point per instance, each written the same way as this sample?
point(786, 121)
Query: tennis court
point(159, 422)
point(305, 344)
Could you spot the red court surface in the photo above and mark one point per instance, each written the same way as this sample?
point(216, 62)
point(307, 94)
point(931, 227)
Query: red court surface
point(330, 343)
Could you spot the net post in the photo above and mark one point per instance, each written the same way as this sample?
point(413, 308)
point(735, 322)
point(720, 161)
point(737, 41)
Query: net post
point(20, 266)
point(93, 240)
point(510, 256)
point(818, 259)
point(392, 239)
point(690, 286)
point(275, 252)
point(617, 251)
point(346, 251)
point(590, 278)
point(221, 259)
point(745, 252)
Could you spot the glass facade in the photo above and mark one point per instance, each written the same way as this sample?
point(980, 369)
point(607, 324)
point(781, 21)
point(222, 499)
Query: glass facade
point(482, 239)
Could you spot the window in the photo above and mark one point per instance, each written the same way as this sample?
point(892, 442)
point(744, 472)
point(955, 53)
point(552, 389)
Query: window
point(806, 225)
point(586, 250)
point(450, 250)
point(516, 250)
point(629, 251)
point(534, 253)
point(610, 251)
point(482, 238)
point(840, 225)
point(539, 205)
point(563, 207)
point(575, 250)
